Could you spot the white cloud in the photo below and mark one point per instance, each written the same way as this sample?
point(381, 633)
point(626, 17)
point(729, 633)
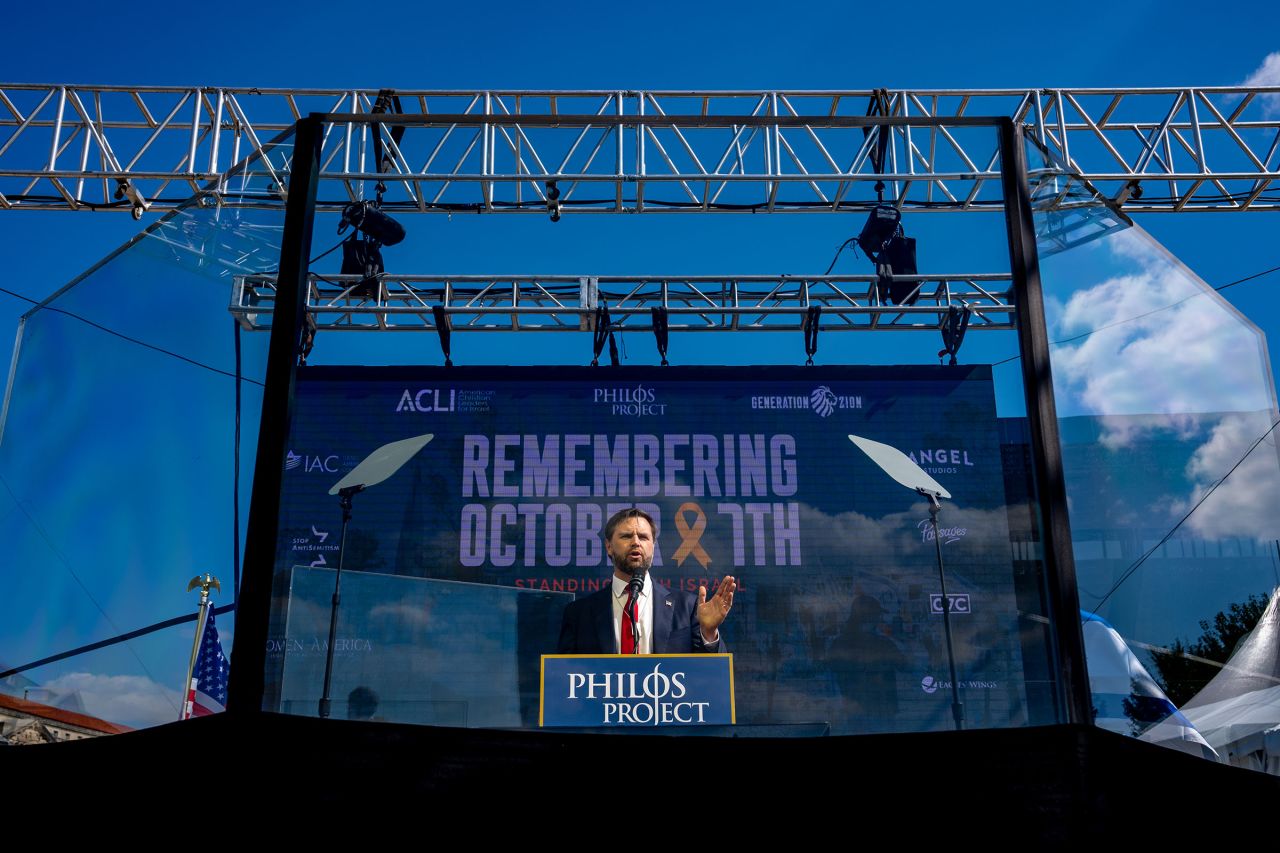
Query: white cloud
point(1267, 74)
point(129, 700)
point(1245, 504)
point(405, 614)
point(1194, 356)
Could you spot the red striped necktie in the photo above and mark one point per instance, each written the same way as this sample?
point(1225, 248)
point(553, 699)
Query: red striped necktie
point(628, 636)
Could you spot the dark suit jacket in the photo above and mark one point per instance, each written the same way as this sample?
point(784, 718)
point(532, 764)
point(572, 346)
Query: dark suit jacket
point(587, 627)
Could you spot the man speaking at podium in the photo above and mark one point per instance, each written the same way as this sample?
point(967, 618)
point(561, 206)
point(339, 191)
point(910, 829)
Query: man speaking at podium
point(634, 614)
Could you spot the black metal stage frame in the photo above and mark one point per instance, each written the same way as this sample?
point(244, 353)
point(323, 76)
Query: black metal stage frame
point(247, 687)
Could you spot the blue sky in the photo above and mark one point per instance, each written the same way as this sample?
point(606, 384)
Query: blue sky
point(656, 45)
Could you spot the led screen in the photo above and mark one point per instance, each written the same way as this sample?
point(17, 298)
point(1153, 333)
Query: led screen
point(458, 565)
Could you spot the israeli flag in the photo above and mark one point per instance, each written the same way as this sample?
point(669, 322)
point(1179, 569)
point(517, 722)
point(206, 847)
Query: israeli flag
point(1127, 700)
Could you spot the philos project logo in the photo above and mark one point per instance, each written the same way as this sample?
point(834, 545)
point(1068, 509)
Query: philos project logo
point(630, 402)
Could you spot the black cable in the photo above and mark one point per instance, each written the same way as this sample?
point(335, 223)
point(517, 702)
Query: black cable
point(122, 336)
point(235, 486)
point(119, 638)
point(328, 251)
point(846, 244)
point(1138, 562)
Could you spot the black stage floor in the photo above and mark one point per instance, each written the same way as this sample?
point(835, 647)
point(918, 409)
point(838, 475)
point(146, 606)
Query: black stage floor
point(1056, 784)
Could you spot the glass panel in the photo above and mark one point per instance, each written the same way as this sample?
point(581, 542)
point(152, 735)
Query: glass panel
point(122, 434)
point(466, 560)
point(1167, 412)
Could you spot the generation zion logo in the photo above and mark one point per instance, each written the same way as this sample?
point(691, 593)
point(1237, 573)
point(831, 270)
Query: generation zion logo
point(822, 401)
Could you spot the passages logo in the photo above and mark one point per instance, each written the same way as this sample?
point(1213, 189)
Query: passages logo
point(948, 534)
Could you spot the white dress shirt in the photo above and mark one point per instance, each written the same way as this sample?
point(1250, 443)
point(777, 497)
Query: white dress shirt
point(644, 613)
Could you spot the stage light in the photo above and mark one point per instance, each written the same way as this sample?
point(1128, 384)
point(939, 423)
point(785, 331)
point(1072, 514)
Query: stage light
point(553, 201)
point(882, 224)
point(894, 253)
point(362, 258)
point(898, 258)
point(372, 222)
point(126, 189)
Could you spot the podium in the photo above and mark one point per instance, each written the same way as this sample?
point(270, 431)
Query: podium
point(636, 691)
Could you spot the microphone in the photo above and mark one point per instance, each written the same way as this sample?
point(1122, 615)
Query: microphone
point(634, 586)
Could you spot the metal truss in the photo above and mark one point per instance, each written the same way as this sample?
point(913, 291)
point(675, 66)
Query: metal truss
point(475, 303)
point(1144, 150)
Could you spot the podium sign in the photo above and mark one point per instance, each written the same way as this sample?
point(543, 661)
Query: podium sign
point(637, 690)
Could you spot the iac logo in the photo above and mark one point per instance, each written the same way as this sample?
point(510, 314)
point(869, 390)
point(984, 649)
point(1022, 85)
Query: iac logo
point(428, 400)
point(327, 464)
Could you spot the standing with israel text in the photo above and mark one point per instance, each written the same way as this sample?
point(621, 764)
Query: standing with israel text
point(634, 614)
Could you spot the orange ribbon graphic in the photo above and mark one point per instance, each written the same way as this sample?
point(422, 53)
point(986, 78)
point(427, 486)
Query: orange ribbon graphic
point(691, 536)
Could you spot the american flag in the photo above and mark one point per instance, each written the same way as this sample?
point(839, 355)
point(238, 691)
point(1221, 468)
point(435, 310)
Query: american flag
point(209, 680)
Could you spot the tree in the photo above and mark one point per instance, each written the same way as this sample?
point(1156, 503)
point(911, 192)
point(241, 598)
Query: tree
point(1180, 676)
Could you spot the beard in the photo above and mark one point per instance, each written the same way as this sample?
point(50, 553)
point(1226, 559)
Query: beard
point(621, 564)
